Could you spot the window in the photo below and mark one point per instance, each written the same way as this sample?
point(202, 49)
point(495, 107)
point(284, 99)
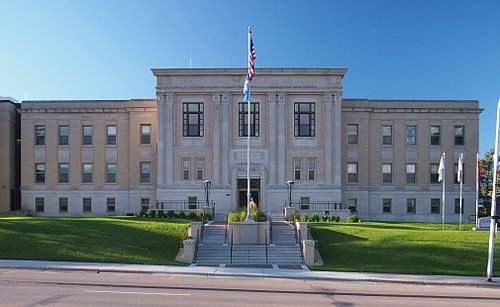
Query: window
point(63, 135)
point(459, 135)
point(435, 135)
point(411, 205)
point(39, 135)
point(304, 203)
point(192, 202)
point(87, 135)
point(192, 119)
point(387, 172)
point(145, 172)
point(110, 204)
point(111, 130)
point(40, 172)
point(243, 119)
point(455, 173)
point(200, 167)
point(63, 204)
point(411, 169)
point(352, 134)
point(352, 205)
point(63, 172)
point(386, 205)
point(87, 173)
point(352, 172)
point(185, 169)
point(457, 206)
point(144, 204)
point(386, 135)
point(111, 173)
point(411, 135)
point(145, 134)
point(39, 204)
point(311, 171)
point(434, 172)
point(304, 119)
point(297, 166)
point(435, 205)
point(87, 204)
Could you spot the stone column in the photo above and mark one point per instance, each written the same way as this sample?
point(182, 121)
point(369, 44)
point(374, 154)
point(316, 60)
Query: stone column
point(337, 139)
point(169, 138)
point(327, 118)
point(160, 101)
point(282, 133)
point(216, 139)
point(226, 119)
point(271, 144)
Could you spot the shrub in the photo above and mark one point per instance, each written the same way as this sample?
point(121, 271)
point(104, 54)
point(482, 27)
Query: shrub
point(314, 218)
point(204, 215)
point(236, 216)
point(325, 218)
point(161, 214)
point(152, 214)
point(353, 219)
point(293, 218)
point(192, 216)
point(304, 218)
point(170, 214)
point(143, 213)
point(335, 219)
point(258, 215)
point(182, 215)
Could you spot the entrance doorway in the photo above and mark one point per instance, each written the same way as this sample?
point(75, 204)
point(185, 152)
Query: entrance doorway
point(242, 191)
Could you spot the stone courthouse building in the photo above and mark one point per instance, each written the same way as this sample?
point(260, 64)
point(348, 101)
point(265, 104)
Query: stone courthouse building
point(377, 157)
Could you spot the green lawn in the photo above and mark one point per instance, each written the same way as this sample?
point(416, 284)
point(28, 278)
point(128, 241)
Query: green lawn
point(419, 248)
point(110, 239)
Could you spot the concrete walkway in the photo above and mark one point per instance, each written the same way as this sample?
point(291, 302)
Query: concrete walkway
point(271, 272)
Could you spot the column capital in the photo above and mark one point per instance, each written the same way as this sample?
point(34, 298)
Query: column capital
point(271, 96)
point(329, 96)
point(226, 97)
point(281, 97)
point(169, 97)
point(338, 95)
point(216, 98)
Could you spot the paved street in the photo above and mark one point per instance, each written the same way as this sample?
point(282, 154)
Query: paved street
point(19, 287)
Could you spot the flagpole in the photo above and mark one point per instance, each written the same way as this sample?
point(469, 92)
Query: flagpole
point(493, 222)
point(461, 183)
point(249, 218)
point(478, 172)
point(444, 194)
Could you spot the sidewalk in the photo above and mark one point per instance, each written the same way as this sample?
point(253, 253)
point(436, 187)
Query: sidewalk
point(274, 272)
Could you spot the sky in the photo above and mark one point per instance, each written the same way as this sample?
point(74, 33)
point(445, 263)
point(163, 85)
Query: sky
point(393, 49)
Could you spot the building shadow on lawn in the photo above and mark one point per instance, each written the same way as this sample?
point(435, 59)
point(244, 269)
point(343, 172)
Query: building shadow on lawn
point(329, 235)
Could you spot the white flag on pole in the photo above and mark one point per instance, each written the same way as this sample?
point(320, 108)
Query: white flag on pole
point(441, 168)
point(460, 167)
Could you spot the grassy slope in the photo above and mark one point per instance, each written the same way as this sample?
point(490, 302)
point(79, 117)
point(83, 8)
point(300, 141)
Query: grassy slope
point(403, 248)
point(114, 239)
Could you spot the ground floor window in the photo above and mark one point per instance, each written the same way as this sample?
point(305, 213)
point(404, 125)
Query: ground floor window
point(144, 204)
point(40, 204)
point(87, 204)
point(457, 206)
point(63, 204)
point(110, 204)
point(435, 205)
point(304, 203)
point(411, 205)
point(192, 202)
point(386, 205)
point(352, 204)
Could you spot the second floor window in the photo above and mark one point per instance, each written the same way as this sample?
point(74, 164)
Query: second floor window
point(455, 173)
point(311, 169)
point(387, 173)
point(411, 169)
point(200, 169)
point(145, 134)
point(352, 134)
point(193, 119)
point(111, 138)
point(435, 135)
point(411, 135)
point(386, 135)
point(63, 135)
point(459, 135)
point(434, 173)
point(352, 172)
point(111, 173)
point(87, 135)
point(243, 119)
point(304, 119)
point(63, 172)
point(145, 172)
point(185, 169)
point(40, 172)
point(297, 168)
point(39, 135)
point(87, 173)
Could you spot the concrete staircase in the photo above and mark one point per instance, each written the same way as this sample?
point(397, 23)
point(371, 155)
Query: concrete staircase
point(283, 249)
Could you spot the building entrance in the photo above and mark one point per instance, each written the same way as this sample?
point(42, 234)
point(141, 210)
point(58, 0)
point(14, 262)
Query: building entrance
point(254, 191)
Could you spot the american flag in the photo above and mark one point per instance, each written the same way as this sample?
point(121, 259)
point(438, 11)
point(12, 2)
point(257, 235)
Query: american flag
point(251, 68)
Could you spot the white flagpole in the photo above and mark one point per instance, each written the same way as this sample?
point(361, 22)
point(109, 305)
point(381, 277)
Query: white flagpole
point(477, 190)
point(249, 218)
point(461, 167)
point(493, 222)
point(444, 191)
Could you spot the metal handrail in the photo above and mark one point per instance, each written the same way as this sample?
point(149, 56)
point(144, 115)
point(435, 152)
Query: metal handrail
point(182, 205)
point(301, 246)
point(270, 228)
point(196, 246)
point(265, 234)
point(202, 232)
point(231, 248)
point(225, 230)
point(296, 231)
point(316, 205)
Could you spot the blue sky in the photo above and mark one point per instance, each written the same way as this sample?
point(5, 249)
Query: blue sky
point(393, 49)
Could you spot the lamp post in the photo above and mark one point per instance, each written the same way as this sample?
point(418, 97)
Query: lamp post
point(207, 184)
point(289, 185)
